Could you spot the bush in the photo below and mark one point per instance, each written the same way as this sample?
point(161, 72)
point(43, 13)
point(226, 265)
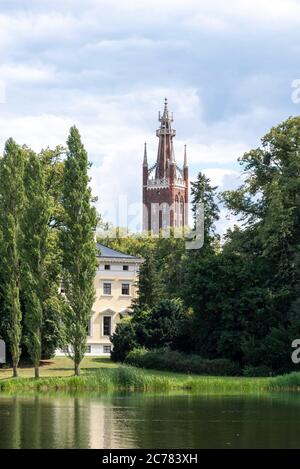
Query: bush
point(167, 324)
point(170, 360)
point(256, 371)
point(123, 340)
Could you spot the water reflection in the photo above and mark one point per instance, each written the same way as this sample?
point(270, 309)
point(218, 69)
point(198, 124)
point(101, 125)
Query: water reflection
point(141, 421)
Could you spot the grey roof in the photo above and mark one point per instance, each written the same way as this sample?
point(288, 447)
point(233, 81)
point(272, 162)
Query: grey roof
point(108, 252)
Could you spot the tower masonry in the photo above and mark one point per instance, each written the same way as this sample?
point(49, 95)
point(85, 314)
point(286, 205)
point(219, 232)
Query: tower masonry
point(165, 184)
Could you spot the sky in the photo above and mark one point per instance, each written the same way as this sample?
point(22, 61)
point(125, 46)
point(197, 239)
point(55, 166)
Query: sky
point(227, 67)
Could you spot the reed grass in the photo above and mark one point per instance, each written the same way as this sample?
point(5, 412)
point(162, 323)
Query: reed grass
point(288, 382)
point(128, 378)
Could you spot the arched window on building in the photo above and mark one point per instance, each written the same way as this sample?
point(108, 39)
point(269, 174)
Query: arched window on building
point(182, 221)
point(176, 221)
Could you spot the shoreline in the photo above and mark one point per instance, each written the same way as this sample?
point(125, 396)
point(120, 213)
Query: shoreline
point(131, 379)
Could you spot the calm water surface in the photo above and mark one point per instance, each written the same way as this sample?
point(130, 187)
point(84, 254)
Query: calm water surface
point(141, 421)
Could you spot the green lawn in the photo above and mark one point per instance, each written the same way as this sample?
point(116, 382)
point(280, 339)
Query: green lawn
point(60, 366)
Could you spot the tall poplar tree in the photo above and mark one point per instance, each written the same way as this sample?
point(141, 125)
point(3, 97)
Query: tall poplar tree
point(35, 231)
point(203, 192)
point(79, 250)
point(11, 208)
point(150, 285)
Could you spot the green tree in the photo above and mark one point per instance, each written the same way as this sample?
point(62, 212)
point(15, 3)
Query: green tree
point(79, 250)
point(150, 283)
point(11, 210)
point(203, 192)
point(53, 303)
point(123, 340)
point(161, 275)
point(268, 204)
point(35, 222)
point(166, 324)
point(170, 255)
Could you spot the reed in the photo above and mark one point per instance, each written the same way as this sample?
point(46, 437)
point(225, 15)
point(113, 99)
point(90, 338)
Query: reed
point(288, 382)
point(128, 378)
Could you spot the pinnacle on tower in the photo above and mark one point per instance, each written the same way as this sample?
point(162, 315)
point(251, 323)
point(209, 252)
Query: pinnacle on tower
point(172, 155)
point(185, 158)
point(145, 163)
point(166, 112)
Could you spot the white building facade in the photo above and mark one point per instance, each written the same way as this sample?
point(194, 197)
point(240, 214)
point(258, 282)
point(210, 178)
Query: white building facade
point(115, 288)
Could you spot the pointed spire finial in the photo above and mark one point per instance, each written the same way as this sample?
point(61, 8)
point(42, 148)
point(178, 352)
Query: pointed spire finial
point(185, 158)
point(145, 155)
point(166, 107)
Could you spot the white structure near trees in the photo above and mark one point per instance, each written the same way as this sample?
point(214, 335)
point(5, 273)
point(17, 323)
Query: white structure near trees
point(115, 287)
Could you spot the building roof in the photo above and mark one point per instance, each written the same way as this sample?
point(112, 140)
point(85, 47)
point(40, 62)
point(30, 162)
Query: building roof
point(108, 252)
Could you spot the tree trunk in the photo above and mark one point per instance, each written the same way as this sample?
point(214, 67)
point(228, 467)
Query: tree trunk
point(77, 369)
point(37, 371)
point(15, 370)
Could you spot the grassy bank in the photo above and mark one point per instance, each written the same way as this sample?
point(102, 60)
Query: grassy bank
point(102, 375)
point(126, 378)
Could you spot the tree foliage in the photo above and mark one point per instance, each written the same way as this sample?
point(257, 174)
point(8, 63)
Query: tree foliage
point(78, 247)
point(167, 324)
point(11, 211)
point(35, 227)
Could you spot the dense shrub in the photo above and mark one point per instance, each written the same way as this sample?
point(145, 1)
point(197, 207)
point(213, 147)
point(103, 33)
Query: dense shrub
point(123, 340)
point(167, 324)
point(170, 360)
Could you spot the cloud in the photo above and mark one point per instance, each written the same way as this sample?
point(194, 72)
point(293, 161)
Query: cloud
point(36, 131)
point(225, 179)
point(26, 73)
point(113, 45)
point(106, 66)
point(207, 24)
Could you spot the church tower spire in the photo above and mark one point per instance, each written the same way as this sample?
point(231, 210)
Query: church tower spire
point(165, 136)
point(165, 184)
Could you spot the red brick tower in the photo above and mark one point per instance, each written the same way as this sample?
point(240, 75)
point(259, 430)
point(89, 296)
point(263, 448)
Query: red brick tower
point(165, 185)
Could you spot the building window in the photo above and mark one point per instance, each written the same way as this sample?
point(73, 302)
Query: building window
point(106, 348)
point(125, 288)
point(107, 325)
point(125, 267)
point(88, 349)
point(107, 267)
point(106, 288)
point(89, 327)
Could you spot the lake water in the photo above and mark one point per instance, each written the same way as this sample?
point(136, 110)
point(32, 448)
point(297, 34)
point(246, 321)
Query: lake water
point(150, 421)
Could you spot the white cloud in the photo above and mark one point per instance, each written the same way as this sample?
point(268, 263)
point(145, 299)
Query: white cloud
point(207, 23)
point(36, 131)
point(225, 179)
point(221, 151)
point(133, 43)
point(107, 65)
point(24, 73)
